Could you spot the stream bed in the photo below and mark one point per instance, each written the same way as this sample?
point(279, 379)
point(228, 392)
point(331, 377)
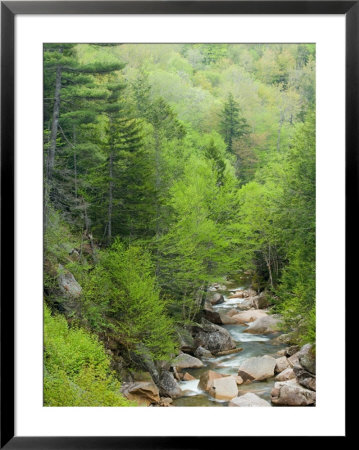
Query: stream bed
point(252, 345)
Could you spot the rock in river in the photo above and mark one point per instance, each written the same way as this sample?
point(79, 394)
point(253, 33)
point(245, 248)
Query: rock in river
point(216, 299)
point(212, 337)
point(188, 377)
point(224, 388)
point(305, 378)
point(169, 386)
point(261, 301)
point(202, 352)
point(211, 315)
point(281, 364)
point(207, 379)
point(249, 316)
point(257, 368)
point(305, 357)
point(248, 399)
point(287, 374)
point(263, 325)
point(143, 392)
point(290, 393)
point(184, 361)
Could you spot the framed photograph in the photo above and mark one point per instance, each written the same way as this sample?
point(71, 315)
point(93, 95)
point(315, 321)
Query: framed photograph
point(176, 186)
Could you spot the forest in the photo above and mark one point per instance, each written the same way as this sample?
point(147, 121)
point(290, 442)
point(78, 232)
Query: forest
point(179, 224)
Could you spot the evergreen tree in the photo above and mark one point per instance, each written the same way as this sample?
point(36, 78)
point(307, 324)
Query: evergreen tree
point(232, 125)
point(120, 138)
point(61, 65)
point(69, 88)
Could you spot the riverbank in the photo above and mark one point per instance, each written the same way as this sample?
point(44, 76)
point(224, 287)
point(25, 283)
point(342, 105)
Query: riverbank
point(243, 363)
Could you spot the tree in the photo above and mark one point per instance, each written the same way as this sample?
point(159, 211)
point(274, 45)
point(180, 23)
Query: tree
point(297, 288)
point(121, 298)
point(232, 125)
point(69, 87)
point(198, 247)
point(60, 63)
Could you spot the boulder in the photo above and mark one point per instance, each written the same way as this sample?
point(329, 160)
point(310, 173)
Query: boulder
point(142, 392)
point(257, 368)
point(304, 357)
point(207, 378)
point(202, 352)
point(212, 337)
point(250, 292)
point(216, 299)
point(224, 388)
point(263, 325)
point(232, 312)
point(281, 364)
point(290, 393)
point(211, 315)
point(168, 385)
point(287, 374)
point(185, 361)
point(243, 293)
point(246, 304)
point(238, 294)
point(305, 378)
point(307, 358)
point(67, 283)
point(248, 399)
point(290, 351)
point(249, 316)
point(185, 339)
point(226, 319)
point(261, 301)
point(188, 377)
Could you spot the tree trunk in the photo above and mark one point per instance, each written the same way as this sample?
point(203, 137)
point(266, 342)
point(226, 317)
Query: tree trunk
point(55, 123)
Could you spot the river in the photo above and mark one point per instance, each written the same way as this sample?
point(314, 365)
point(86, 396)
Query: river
point(252, 344)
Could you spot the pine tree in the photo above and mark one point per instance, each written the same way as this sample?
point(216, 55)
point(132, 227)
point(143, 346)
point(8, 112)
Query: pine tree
point(70, 89)
point(119, 140)
point(70, 79)
point(232, 125)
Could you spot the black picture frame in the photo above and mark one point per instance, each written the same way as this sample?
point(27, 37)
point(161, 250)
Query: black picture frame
point(9, 9)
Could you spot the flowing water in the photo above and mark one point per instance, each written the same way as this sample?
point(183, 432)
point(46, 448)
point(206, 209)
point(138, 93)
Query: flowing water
point(252, 344)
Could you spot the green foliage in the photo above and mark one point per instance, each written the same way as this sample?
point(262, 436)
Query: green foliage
point(232, 125)
point(76, 368)
point(185, 163)
point(121, 298)
point(297, 287)
point(198, 246)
